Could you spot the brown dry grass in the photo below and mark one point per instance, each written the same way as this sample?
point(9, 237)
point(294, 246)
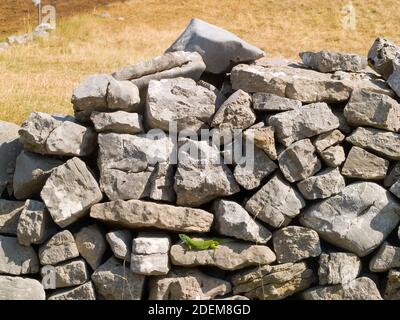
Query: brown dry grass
point(41, 76)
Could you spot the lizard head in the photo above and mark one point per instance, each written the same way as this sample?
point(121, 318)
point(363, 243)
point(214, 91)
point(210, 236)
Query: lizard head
point(184, 237)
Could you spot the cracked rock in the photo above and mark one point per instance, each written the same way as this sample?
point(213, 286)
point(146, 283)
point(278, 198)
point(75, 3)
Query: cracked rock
point(338, 268)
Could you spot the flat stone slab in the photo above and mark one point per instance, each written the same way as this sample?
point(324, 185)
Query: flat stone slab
point(330, 61)
point(83, 292)
point(16, 288)
point(10, 212)
point(338, 267)
point(118, 122)
point(387, 257)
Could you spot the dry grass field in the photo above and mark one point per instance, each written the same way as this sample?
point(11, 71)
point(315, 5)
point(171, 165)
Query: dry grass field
point(41, 75)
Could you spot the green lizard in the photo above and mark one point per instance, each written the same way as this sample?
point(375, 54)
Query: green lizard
point(202, 244)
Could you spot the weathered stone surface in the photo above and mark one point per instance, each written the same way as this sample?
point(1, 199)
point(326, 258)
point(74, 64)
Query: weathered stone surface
point(393, 176)
point(118, 122)
point(392, 287)
point(220, 49)
point(292, 244)
point(122, 95)
point(384, 143)
point(388, 257)
point(114, 281)
point(138, 214)
point(31, 173)
point(10, 212)
point(308, 121)
point(151, 242)
point(299, 161)
point(180, 102)
point(358, 219)
point(35, 224)
point(120, 242)
point(201, 175)
point(16, 259)
point(394, 79)
point(276, 203)
point(60, 247)
point(273, 282)
point(395, 189)
point(338, 267)
point(187, 284)
point(328, 139)
point(82, 292)
point(323, 185)
point(271, 102)
point(228, 256)
point(263, 138)
point(373, 109)
point(91, 245)
point(333, 156)
point(330, 61)
point(17, 288)
point(232, 220)
point(364, 165)
point(70, 191)
point(68, 274)
point(358, 289)
point(381, 56)
point(162, 182)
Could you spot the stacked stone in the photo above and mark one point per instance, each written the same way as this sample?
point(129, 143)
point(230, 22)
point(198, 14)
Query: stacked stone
point(93, 204)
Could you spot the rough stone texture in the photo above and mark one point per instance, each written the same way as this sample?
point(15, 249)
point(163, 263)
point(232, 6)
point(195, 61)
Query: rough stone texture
point(16, 259)
point(31, 173)
point(162, 183)
point(219, 48)
point(263, 138)
point(273, 282)
point(68, 274)
point(392, 287)
point(228, 256)
point(16, 288)
point(59, 248)
point(150, 243)
point(10, 212)
point(364, 165)
point(35, 224)
point(338, 268)
point(118, 122)
point(394, 79)
point(292, 244)
point(329, 61)
point(328, 139)
point(276, 203)
point(70, 191)
point(120, 242)
point(308, 121)
point(388, 257)
point(358, 219)
point(122, 95)
point(358, 289)
point(323, 185)
point(232, 220)
point(82, 292)
point(299, 161)
point(91, 245)
point(271, 102)
point(395, 189)
point(187, 284)
point(393, 176)
point(381, 56)
point(138, 214)
point(202, 178)
point(180, 101)
point(373, 109)
point(114, 281)
point(333, 156)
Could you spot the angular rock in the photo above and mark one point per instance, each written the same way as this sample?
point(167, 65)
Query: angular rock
point(180, 102)
point(118, 122)
point(122, 95)
point(70, 191)
point(228, 256)
point(17, 288)
point(187, 284)
point(114, 281)
point(292, 244)
point(147, 243)
point(263, 138)
point(323, 185)
point(333, 156)
point(162, 183)
point(381, 56)
point(328, 139)
point(393, 176)
point(120, 242)
point(16, 259)
point(374, 110)
point(201, 175)
point(10, 212)
point(358, 289)
point(31, 173)
point(91, 245)
point(59, 248)
point(299, 161)
point(82, 292)
point(138, 214)
point(395, 189)
point(330, 61)
point(364, 165)
point(308, 121)
point(35, 224)
point(394, 79)
point(271, 102)
point(233, 221)
point(276, 203)
point(220, 49)
point(68, 274)
point(392, 287)
point(358, 219)
point(338, 268)
point(388, 257)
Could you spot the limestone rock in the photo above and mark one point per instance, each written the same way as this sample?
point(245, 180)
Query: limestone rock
point(67, 274)
point(82, 292)
point(393, 176)
point(10, 212)
point(381, 56)
point(120, 242)
point(392, 287)
point(395, 189)
point(118, 122)
point(338, 268)
point(329, 61)
point(162, 182)
point(59, 248)
point(394, 79)
point(17, 288)
point(333, 156)
point(358, 219)
point(122, 95)
point(91, 245)
point(388, 257)
point(263, 138)
point(271, 102)
point(328, 139)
